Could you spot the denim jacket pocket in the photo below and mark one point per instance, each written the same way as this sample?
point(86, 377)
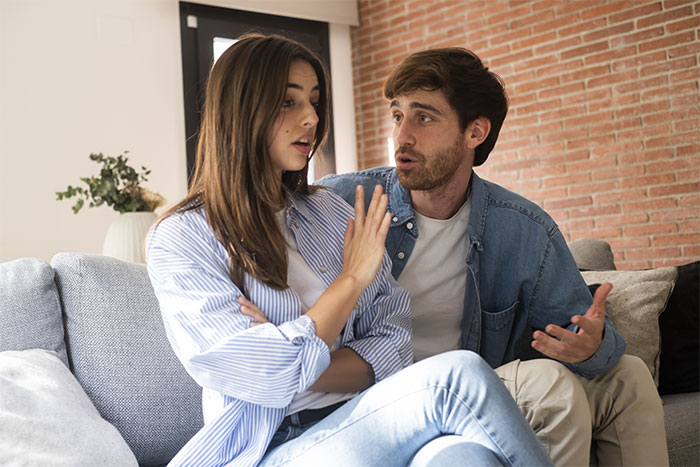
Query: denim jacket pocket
point(496, 322)
point(495, 334)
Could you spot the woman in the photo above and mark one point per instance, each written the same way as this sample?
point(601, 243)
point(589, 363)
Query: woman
point(282, 307)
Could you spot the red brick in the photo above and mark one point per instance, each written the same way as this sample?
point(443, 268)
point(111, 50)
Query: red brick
point(676, 214)
point(584, 73)
point(565, 180)
point(692, 225)
point(664, 17)
point(622, 265)
point(620, 172)
point(686, 75)
point(648, 253)
point(643, 156)
point(663, 240)
point(636, 38)
point(587, 96)
point(650, 229)
point(686, 49)
point(667, 41)
point(585, 50)
point(597, 188)
point(567, 202)
point(576, 224)
point(686, 125)
point(670, 65)
point(555, 24)
point(562, 113)
point(622, 220)
point(688, 175)
point(597, 233)
point(637, 60)
point(609, 31)
point(633, 13)
point(593, 164)
point(692, 252)
point(619, 244)
point(558, 46)
point(691, 149)
point(588, 119)
point(690, 200)
point(606, 10)
point(619, 196)
point(611, 55)
point(689, 23)
point(591, 142)
point(649, 204)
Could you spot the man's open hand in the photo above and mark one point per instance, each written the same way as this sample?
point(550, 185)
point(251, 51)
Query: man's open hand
point(570, 347)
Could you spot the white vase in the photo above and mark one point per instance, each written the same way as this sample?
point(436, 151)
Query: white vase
point(126, 236)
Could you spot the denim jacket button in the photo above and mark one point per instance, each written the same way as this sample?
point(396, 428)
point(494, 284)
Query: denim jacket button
point(395, 219)
point(401, 255)
point(409, 226)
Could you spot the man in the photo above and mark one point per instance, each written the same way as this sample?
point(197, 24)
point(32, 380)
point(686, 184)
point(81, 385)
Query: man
point(482, 263)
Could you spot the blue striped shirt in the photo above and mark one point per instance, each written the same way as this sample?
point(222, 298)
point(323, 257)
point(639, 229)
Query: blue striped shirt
point(249, 374)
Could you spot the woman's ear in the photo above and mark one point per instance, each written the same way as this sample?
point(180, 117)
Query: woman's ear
point(477, 131)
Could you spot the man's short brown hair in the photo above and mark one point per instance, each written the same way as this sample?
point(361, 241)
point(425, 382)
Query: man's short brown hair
point(470, 88)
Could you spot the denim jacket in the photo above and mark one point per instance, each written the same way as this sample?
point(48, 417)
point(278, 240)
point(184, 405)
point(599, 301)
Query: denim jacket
point(518, 270)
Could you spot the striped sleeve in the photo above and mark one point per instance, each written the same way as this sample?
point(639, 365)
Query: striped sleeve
point(266, 364)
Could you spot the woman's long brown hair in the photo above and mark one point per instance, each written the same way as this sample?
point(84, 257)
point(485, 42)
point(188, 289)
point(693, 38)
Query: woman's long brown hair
point(234, 178)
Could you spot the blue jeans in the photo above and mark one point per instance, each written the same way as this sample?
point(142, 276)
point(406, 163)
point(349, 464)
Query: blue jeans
point(408, 418)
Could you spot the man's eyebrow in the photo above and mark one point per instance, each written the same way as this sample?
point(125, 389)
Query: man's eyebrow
point(418, 105)
point(301, 88)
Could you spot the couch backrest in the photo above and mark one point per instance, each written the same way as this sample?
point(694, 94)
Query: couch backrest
point(119, 353)
point(30, 311)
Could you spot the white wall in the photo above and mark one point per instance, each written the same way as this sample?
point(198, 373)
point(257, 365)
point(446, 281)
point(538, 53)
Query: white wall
point(82, 76)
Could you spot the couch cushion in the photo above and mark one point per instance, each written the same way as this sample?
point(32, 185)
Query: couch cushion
point(634, 305)
point(46, 418)
point(30, 312)
point(680, 334)
point(120, 354)
point(682, 428)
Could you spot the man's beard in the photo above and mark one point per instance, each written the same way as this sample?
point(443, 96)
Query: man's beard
point(435, 170)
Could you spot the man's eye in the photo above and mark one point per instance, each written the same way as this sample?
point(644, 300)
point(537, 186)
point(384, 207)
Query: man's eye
point(424, 118)
point(396, 118)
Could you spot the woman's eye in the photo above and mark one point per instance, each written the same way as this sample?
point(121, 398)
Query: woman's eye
point(288, 103)
point(316, 105)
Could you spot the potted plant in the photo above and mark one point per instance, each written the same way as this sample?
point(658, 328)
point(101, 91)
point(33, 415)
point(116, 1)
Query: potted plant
point(118, 185)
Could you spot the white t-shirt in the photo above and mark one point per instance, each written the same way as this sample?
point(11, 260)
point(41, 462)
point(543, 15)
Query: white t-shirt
point(434, 277)
point(306, 284)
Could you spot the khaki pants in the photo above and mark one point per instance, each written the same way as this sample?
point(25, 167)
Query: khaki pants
point(620, 410)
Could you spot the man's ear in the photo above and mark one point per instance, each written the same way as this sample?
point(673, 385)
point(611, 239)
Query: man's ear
point(477, 131)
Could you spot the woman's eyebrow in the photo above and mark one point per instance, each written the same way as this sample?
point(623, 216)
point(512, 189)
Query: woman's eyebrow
point(301, 88)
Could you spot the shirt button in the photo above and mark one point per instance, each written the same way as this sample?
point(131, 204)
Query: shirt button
point(401, 255)
point(323, 269)
point(296, 224)
point(395, 219)
point(409, 226)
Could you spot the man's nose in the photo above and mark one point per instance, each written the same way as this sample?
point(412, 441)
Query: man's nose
point(403, 134)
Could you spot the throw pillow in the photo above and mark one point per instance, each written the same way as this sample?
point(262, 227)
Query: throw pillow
point(47, 419)
point(680, 332)
point(634, 305)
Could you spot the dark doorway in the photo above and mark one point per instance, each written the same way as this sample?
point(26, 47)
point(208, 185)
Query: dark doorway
point(201, 26)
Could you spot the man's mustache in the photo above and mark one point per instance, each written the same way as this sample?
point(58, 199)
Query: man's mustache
point(407, 150)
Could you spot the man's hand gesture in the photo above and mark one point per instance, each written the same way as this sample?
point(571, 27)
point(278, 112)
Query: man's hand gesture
point(566, 346)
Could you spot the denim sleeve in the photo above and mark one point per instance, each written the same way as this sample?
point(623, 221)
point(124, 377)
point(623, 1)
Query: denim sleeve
point(560, 293)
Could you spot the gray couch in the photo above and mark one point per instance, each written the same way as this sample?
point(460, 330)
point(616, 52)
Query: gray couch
point(101, 316)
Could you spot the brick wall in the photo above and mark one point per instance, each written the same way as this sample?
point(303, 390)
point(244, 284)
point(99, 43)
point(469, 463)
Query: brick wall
point(603, 127)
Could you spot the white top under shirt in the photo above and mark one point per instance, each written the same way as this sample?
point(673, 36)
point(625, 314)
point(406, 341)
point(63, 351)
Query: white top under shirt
point(434, 278)
point(306, 284)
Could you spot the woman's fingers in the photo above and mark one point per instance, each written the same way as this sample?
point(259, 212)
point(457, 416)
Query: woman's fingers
point(249, 309)
point(359, 207)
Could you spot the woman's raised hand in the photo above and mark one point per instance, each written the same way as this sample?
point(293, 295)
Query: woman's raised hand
point(363, 248)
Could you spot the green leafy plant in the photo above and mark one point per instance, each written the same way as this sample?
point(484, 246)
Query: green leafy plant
point(118, 186)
